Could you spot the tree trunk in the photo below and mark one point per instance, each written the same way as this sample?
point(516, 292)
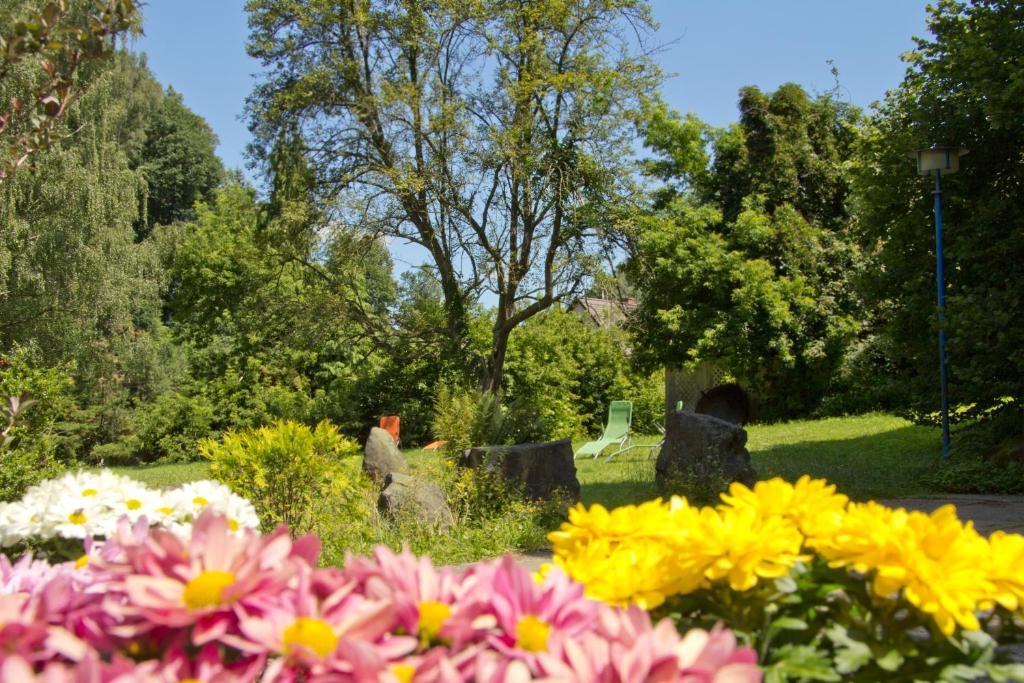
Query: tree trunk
point(494, 373)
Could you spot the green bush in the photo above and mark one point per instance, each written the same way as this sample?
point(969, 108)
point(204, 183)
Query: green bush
point(169, 428)
point(562, 372)
point(21, 468)
point(467, 418)
point(292, 474)
point(491, 518)
point(27, 449)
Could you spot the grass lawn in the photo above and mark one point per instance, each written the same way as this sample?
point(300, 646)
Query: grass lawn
point(868, 456)
point(159, 476)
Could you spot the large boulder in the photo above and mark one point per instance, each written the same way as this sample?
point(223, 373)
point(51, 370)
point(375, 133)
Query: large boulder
point(404, 495)
point(543, 470)
point(702, 455)
point(381, 456)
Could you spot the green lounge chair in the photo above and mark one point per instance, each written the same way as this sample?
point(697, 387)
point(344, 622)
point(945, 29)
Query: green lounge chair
point(616, 432)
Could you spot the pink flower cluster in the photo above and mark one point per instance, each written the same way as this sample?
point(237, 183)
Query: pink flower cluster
point(148, 606)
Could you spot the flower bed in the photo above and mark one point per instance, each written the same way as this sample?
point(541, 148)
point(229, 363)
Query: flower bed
point(83, 505)
point(823, 588)
point(150, 604)
point(793, 576)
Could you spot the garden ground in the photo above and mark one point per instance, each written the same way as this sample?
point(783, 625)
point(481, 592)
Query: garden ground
point(869, 456)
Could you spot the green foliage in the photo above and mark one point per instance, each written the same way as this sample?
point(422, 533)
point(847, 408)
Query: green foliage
point(565, 371)
point(22, 466)
point(294, 475)
point(457, 419)
point(169, 428)
point(179, 161)
point(470, 417)
point(989, 455)
point(962, 87)
point(824, 624)
point(58, 37)
point(35, 398)
point(746, 260)
point(491, 518)
point(495, 135)
point(561, 374)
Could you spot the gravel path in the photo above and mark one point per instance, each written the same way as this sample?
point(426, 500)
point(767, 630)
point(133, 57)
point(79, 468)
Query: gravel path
point(989, 513)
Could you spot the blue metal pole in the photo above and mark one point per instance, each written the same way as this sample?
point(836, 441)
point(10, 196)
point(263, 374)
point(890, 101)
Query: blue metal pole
point(941, 281)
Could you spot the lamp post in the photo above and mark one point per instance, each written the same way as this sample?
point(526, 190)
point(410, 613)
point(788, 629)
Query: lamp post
point(936, 160)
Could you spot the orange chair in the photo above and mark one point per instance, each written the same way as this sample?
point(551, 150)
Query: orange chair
point(390, 424)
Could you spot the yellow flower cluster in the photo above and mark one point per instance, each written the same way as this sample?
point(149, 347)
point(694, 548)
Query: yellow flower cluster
point(942, 566)
point(644, 554)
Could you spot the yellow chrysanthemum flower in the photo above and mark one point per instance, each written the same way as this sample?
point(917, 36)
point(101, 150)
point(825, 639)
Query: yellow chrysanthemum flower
point(632, 554)
point(940, 563)
point(812, 504)
point(741, 545)
point(1006, 569)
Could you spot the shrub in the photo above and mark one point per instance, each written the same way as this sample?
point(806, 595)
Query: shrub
point(466, 418)
point(293, 474)
point(34, 398)
point(169, 428)
point(491, 518)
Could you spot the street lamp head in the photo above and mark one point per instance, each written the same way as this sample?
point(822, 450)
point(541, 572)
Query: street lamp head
point(942, 158)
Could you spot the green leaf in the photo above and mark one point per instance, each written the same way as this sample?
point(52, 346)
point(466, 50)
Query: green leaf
point(1001, 673)
point(890, 661)
point(801, 662)
point(850, 654)
point(785, 584)
point(790, 624)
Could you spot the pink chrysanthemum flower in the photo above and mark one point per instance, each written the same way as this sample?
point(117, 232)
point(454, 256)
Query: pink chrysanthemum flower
point(208, 582)
point(626, 648)
point(207, 666)
point(428, 601)
point(310, 634)
point(528, 616)
point(25, 633)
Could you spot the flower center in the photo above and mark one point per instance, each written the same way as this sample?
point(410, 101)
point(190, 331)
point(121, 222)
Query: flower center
point(207, 589)
point(199, 500)
point(77, 517)
point(165, 510)
point(232, 525)
point(532, 634)
point(313, 634)
point(81, 561)
point(89, 492)
point(133, 503)
point(403, 672)
point(433, 614)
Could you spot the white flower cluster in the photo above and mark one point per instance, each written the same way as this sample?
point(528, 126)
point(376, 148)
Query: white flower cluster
point(90, 504)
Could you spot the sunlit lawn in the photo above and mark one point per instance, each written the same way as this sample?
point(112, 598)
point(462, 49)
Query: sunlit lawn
point(868, 456)
point(159, 476)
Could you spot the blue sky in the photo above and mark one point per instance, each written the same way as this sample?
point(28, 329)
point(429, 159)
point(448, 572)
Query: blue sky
point(714, 47)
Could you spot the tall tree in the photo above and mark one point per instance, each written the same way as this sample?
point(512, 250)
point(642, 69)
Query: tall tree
point(179, 160)
point(963, 86)
point(489, 133)
point(747, 258)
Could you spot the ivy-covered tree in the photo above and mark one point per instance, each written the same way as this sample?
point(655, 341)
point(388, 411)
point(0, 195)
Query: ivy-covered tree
point(747, 258)
point(963, 86)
